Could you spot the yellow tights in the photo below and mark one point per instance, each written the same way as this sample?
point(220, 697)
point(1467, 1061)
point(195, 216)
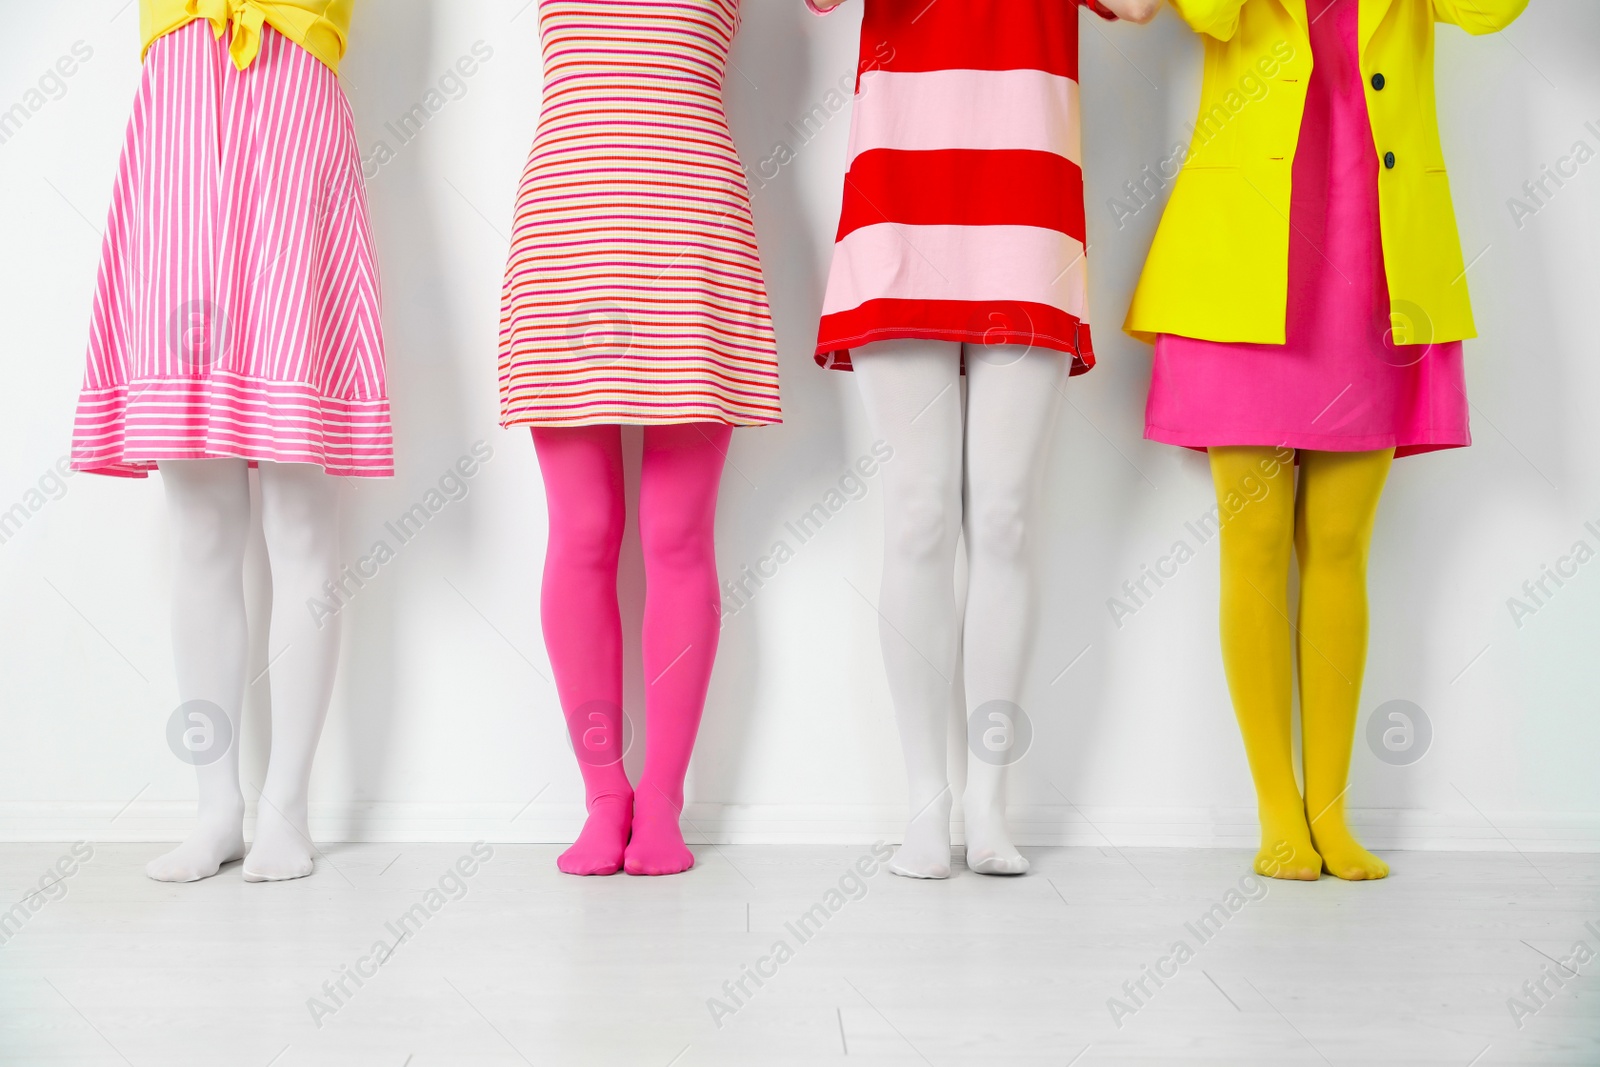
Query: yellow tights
point(1327, 523)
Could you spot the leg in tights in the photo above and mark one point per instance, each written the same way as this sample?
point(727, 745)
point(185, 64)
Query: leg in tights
point(582, 469)
point(1255, 487)
point(678, 482)
point(1338, 505)
point(208, 504)
point(300, 518)
point(1013, 400)
point(680, 474)
point(912, 391)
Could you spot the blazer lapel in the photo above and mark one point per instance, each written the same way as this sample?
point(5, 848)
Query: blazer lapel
point(1373, 13)
point(1297, 11)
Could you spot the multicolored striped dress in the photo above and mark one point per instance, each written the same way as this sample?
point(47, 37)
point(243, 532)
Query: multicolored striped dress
point(237, 311)
point(634, 291)
point(963, 210)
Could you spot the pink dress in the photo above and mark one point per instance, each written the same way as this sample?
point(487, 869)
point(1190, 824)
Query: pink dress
point(1340, 384)
point(237, 312)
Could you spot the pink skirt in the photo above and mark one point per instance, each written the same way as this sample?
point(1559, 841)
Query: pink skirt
point(237, 312)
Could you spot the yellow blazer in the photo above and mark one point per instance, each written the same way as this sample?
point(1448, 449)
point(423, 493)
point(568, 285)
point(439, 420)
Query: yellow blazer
point(321, 27)
point(1219, 267)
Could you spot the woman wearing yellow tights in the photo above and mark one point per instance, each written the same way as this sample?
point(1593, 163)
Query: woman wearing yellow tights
point(1326, 520)
point(1305, 297)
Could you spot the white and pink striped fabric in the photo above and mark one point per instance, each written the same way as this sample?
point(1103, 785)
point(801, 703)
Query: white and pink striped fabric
point(633, 291)
point(962, 217)
point(237, 313)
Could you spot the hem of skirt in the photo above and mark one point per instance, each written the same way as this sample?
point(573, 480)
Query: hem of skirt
point(835, 354)
point(229, 416)
point(736, 421)
point(144, 467)
point(1311, 442)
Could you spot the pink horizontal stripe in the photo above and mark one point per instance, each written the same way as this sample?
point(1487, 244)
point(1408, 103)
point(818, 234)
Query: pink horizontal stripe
point(127, 429)
point(929, 111)
point(1014, 263)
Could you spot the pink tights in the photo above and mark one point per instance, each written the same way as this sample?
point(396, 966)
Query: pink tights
point(582, 466)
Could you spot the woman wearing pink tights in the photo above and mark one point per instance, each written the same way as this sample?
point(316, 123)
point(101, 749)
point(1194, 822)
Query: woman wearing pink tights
point(678, 481)
point(634, 296)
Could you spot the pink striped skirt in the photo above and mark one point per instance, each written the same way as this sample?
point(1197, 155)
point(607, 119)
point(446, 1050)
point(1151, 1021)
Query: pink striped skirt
point(237, 312)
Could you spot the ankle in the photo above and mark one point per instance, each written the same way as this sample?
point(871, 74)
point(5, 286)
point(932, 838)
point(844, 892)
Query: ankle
point(982, 808)
point(1286, 819)
point(1326, 819)
point(222, 813)
point(610, 800)
point(651, 800)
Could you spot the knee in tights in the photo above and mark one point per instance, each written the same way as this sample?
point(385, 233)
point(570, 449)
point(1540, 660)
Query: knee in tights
point(211, 533)
point(676, 539)
point(1259, 541)
point(587, 534)
point(1333, 542)
point(998, 528)
point(920, 523)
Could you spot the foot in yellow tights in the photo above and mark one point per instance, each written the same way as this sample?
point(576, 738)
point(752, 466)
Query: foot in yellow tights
point(1286, 849)
point(1327, 522)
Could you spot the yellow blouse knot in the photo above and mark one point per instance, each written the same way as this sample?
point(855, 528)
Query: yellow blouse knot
point(247, 19)
point(321, 27)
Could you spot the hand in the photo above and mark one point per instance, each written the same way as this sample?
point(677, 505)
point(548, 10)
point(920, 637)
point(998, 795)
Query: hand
point(1140, 11)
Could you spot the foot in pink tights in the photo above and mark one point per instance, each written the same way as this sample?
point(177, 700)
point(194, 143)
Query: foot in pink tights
point(599, 848)
point(657, 846)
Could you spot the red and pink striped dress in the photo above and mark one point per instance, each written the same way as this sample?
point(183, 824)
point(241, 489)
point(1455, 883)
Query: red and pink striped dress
point(633, 292)
point(963, 210)
point(237, 312)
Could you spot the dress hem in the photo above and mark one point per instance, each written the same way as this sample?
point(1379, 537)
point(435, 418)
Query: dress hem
point(835, 355)
point(125, 430)
point(538, 422)
point(1310, 442)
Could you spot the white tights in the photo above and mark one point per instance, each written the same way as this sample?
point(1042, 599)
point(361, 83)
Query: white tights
point(996, 455)
point(209, 503)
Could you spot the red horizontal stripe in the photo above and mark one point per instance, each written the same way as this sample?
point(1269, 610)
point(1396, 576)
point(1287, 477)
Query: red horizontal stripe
point(964, 187)
point(916, 35)
point(978, 322)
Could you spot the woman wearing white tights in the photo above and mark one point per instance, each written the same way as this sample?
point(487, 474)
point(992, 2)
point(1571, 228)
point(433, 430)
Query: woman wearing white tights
point(237, 321)
point(977, 471)
point(209, 504)
point(962, 233)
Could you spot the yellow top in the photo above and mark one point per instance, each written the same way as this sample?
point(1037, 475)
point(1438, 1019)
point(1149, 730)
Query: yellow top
point(1219, 267)
point(321, 27)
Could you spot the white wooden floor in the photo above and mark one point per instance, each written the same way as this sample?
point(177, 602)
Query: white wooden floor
point(531, 967)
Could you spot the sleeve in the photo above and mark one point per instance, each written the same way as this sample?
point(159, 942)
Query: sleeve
point(1479, 16)
point(1220, 18)
point(1100, 9)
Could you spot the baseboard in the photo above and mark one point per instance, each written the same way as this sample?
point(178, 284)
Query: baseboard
point(1381, 828)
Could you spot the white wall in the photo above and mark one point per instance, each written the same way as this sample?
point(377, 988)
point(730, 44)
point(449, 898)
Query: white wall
point(446, 724)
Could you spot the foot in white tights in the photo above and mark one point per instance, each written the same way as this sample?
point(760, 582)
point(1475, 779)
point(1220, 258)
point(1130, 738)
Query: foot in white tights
point(925, 852)
point(281, 850)
point(210, 504)
point(217, 840)
point(989, 847)
point(992, 454)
